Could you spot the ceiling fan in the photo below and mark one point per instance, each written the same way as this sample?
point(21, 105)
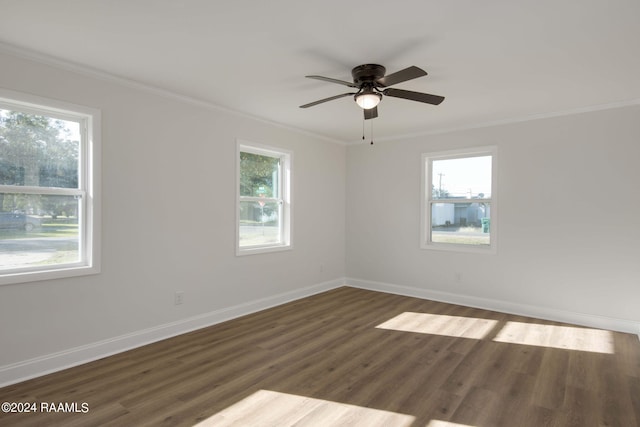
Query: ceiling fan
point(372, 85)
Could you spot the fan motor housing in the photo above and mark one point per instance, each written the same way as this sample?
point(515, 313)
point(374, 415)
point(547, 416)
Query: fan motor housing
point(367, 73)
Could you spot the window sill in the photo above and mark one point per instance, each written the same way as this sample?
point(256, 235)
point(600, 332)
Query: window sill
point(14, 277)
point(262, 249)
point(452, 247)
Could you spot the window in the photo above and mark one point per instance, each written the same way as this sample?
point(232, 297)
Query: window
point(459, 208)
point(264, 199)
point(48, 189)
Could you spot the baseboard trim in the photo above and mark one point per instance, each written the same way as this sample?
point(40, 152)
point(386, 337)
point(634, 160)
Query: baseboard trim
point(32, 368)
point(593, 321)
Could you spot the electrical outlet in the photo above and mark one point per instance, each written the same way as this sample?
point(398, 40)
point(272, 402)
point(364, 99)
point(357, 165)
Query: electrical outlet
point(321, 268)
point(178, 297)
point(458, 277)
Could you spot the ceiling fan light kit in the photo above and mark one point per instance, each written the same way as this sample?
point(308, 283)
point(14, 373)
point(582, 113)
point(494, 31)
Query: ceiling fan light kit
point(372, 84)
point(368, 100)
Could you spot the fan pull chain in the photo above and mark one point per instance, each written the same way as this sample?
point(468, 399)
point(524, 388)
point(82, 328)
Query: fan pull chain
point(371, 130)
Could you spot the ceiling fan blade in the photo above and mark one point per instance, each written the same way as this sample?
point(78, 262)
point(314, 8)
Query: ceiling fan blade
point(409, 73)
point(311, 104)
point(414, 96)
point(329, 79)
point(371, 113)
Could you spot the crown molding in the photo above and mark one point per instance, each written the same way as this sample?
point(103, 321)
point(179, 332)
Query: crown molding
point(134, 84)
point(512, 120)
point(75, 67)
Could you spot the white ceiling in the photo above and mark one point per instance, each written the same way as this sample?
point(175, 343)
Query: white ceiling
point(493, 60)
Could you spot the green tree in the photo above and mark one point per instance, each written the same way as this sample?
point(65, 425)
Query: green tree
point(36, 151)
point(258, 174)
point(438, 193)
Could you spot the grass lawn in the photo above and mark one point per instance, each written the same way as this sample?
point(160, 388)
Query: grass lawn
point(49, 228)
point(461, 235)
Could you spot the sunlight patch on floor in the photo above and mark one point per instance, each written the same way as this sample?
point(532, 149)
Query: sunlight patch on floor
point(440, 324)
point(563, 337)
point(271, 408)
point(438, 423)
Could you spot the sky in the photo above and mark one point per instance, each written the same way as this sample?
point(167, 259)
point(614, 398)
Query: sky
point(466, 177)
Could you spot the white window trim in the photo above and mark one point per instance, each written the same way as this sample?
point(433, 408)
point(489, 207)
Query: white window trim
point(425, 198)
point(285, 190)
point(89, 244)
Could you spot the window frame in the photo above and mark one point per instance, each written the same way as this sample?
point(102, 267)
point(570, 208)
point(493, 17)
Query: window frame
point(426, 200)
point(284, 200)
point(88, 190)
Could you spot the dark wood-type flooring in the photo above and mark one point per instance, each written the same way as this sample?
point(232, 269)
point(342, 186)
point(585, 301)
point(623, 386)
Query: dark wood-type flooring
point(323, 361)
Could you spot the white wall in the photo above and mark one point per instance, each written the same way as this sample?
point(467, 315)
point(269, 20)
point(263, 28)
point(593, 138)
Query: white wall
point(568, 232)
point(168, 221)
point(569, 218)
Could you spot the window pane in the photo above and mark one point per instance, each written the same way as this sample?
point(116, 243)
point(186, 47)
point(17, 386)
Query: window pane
point(38, 230)
point(259, 223)
point(468, 177)
point(461, 222)
point(38, 151)
point(259, 175)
